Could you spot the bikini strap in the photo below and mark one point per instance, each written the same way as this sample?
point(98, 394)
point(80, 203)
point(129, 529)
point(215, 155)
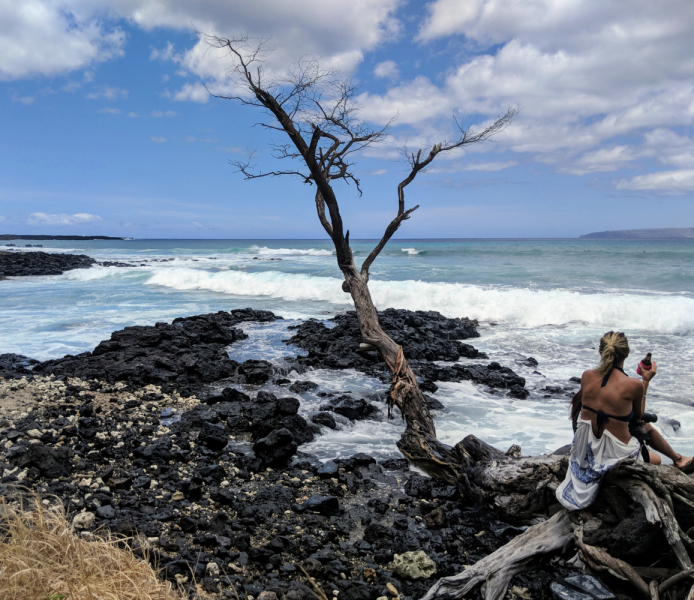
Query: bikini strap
point(607, 377)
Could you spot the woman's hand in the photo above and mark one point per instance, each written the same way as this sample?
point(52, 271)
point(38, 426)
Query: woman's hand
point(650, 374)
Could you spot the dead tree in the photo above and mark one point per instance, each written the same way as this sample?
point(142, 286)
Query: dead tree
point(317, 114)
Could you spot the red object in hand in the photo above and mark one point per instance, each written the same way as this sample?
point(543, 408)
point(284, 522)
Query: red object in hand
point(645, 365)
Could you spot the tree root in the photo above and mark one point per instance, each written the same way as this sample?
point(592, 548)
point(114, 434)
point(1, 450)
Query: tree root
point(496, 570)
point(520, 488)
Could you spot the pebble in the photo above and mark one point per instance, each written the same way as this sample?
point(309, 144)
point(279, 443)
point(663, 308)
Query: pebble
point(83, 520)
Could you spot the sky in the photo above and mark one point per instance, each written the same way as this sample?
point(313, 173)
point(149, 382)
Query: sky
point(107, 126)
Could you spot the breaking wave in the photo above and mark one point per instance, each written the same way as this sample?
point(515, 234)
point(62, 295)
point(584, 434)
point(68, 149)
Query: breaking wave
point(523, 307)
point(264, 251)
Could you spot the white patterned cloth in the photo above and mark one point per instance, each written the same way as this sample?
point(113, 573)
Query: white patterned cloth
point(591, 458)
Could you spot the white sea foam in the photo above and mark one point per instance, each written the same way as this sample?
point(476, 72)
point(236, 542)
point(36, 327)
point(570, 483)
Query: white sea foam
point(410, 251)
point(523, 307)
point(264, 251)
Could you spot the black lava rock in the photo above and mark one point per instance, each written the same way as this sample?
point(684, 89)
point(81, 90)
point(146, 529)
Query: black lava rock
point(323, 505)
point(276, 448)
point(349, 407)
point(325, 419)
point(22, 264)
point(423, 336)
point(299, 387)
point(50, 462)
point(188, 352)
point(213, 436)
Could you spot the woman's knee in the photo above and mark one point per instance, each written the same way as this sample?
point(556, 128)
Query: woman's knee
point(654, 458)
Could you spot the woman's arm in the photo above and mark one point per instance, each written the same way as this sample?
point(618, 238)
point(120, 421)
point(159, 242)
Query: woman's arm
point(640, 403)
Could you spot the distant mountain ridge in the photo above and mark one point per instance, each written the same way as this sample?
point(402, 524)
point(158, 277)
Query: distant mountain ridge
point(666, 233)
point(10, 236)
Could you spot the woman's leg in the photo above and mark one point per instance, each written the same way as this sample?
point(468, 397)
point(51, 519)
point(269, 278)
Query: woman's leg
point(659, 443)
point(654, 458)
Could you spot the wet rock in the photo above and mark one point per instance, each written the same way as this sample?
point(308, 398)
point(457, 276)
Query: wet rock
point(324, 419)
point(423, 335)
point(492, 375)
point(188, 352)
point(23, 264)
point(300, 387)
point(328, 470)
point(349, 407)
point(15, 365)
point(213, 436)
point(276, 448)
point(323, 505)
point(413, 565)
point(433, 403)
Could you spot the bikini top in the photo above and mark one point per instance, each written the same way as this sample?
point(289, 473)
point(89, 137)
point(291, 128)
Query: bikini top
point(603, 416)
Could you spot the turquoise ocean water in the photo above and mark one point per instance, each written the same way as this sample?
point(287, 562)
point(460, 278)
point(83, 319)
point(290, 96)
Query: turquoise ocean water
point(549, 299)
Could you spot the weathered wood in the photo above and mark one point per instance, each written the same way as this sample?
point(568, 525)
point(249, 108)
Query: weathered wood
point(653, 589)
point(496, 570)
point(600, 560)
point(674, 580)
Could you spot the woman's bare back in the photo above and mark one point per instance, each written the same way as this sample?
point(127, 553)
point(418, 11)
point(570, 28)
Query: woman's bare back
point(620, 395)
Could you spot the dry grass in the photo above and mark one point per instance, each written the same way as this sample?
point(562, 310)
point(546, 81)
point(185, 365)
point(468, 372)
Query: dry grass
point(41, 558)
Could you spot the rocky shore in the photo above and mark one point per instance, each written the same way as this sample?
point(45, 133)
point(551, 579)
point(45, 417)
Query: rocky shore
point(158, 435)
point(23, 264)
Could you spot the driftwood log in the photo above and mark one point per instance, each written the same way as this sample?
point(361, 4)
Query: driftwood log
point(643, 514)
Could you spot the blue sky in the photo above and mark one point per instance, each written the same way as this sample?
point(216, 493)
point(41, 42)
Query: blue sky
point(106, 128)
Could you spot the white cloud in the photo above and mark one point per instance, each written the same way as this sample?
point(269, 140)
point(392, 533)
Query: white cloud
point(195, 92)
point(71, 86)
point(39, 218)
point(108, 92)
point(133, 114)
point(667, 182)
point(49, 36)
point(109, 111)
point(26, 100)
point(594, 81)
point(387, 69)
point(190, 138)
point(162, 113)
point(489, 167)
point(42, 37)
point(379, 172)
point(158, 139)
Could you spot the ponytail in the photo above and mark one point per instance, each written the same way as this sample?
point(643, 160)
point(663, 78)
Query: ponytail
point(614, 347)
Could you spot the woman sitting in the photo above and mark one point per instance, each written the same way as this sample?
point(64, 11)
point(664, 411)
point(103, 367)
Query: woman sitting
point(607, 401)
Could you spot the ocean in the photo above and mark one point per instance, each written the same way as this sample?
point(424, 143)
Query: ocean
point(546, 299)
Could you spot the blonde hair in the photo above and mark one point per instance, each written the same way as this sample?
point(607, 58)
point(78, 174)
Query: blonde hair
point(614, 347)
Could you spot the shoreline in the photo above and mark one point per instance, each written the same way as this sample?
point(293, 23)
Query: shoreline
point(208, 490)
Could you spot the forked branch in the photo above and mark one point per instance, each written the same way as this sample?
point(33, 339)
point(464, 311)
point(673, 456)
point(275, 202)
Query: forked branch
point(419, 162)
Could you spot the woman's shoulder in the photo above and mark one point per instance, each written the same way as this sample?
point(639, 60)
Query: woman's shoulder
point(589, 375)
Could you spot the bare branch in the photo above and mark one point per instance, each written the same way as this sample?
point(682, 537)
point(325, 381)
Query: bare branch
point(418, 164)
point(390, 230)
point(246, 168)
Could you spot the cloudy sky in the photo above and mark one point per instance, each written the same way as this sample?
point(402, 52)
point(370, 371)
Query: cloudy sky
point(107, 127)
